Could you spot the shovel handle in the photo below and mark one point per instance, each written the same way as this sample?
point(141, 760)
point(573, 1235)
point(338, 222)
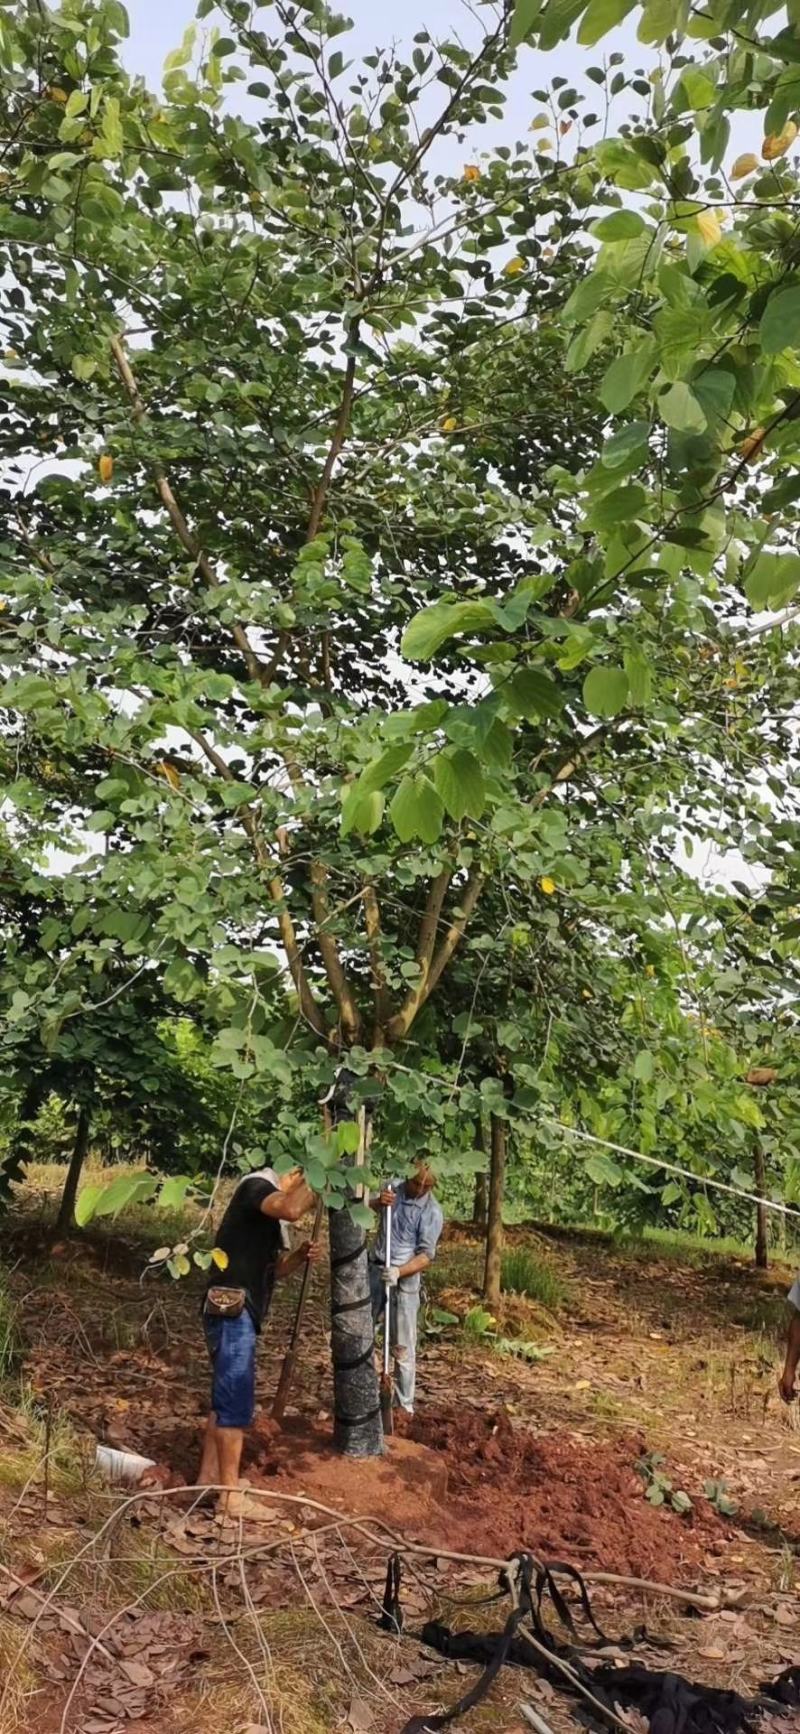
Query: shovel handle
point(287, 1370)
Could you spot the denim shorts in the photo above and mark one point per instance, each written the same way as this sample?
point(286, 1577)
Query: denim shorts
point(232, 1347)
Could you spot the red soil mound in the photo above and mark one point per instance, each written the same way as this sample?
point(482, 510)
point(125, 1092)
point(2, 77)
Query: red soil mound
point(564, 1498)
point(468, 1481)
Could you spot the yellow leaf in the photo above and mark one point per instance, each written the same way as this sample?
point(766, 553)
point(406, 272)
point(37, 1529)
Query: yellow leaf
point(182, 1264)
point(105, 468)
point(750, 448)
point(472, 172)
point(514, 266)
point(449, 424)
point(55, 93)
point(545, 144)
point(744, 165)
point(166, 770)
point(539, 122)
point(709, 227)
point(778, 143)
point(547, 885)
point(220, 1258)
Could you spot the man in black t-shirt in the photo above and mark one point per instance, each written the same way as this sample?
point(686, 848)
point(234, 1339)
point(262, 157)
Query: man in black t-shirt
point(235, 1305)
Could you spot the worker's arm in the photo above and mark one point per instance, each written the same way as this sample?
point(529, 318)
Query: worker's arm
point(420, 1262)
point(291, 1205)
point(787, 1382)
point(309, 1253)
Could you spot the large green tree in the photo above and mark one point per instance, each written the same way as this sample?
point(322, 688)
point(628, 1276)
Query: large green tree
point(304, 395)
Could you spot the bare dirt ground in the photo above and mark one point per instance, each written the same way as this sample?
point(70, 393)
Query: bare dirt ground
point(147, 1613)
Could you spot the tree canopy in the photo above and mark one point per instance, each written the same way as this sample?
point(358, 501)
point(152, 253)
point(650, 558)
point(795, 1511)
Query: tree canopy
point(382, 544)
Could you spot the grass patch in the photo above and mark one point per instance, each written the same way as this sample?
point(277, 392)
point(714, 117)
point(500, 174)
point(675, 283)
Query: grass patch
point(19, 1685)
point(40, 1195)
point(10, 1345)
point(526, 1274)
point(23, 1431)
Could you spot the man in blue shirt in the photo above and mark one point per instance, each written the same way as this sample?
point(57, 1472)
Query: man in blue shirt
point(417, 1223)
point(787, 1383)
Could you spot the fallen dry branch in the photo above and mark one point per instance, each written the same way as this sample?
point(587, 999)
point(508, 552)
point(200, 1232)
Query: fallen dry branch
point(67, 1618)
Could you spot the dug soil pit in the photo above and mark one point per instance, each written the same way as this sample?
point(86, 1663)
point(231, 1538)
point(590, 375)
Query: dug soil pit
point(471, 1482)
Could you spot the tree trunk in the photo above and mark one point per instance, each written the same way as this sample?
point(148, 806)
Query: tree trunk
point(357, 1429)
point(66, 1211)
point(494, 1222)
point(20, 1149)
point(479, 1200)
point(762, 1244)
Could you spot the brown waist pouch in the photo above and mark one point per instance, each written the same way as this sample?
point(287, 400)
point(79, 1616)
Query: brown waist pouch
point(225, 1303)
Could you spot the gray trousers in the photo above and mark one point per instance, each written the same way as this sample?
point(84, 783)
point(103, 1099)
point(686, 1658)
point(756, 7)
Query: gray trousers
point(405, 1308)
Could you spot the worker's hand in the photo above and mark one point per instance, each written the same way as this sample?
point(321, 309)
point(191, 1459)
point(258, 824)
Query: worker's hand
point(294, 1177)
point(390, 1275)
point(388, 1197)
point(311, 1251)
point(787, 1386)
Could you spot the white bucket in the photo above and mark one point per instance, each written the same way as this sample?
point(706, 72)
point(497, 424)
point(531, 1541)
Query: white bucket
point(121, 1468)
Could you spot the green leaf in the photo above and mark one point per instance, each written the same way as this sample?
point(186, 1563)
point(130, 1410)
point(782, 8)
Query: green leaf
point(600, 17)
point(417, 810)
point(681, 410)
point(618, 226)
point(526, 14)
point(381, 770)
point(644, 1065)
point(361, 1215)
point(459, 780)
point(587, 297)
point(627, 375)
point(585, 342)
point(774, 580)
point(348, 1137)
point(605, 691)
point(603, 1171)
point(672, 1193)
point(640, 677)
point(125, 1190)
point(86, 1202)
point(83, 366)
point(173, 1192)
point(780, 322)
point(431, 629)
point(237, 794)
point(362, 812)
point(498, 746)
point(619, 507)
point(532, 694)
point(627, 448)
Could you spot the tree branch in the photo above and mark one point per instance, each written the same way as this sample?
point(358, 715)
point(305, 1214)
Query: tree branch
point(381, 992)
point(400, 1024)
point(430, 920)
point(320, 494)
point(256, 669)
point(340, 987)
point(308, 1005)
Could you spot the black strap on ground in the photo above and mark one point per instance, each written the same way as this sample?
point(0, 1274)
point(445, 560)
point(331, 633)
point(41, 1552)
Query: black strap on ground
point(670, 1703)
point(391, 1619)
point(502, 1644)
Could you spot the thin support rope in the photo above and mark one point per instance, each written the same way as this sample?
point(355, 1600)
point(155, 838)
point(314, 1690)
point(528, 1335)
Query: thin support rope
point(671, 1167)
